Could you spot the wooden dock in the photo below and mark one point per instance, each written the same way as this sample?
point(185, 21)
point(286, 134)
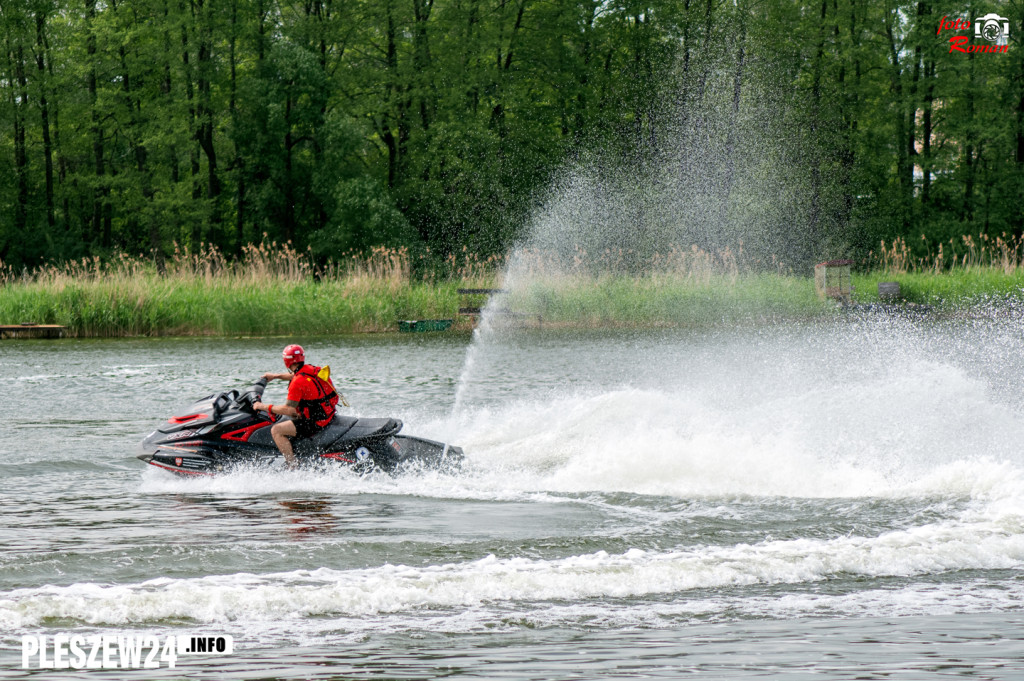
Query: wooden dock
point(31, 331)
point(423, 325)
point(471, 300)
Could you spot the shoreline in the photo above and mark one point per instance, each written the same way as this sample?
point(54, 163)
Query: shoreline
point(148, 306)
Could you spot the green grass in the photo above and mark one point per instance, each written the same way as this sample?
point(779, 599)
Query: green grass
point(664, 300)
point(947, 288)
point(149, 305)
point(153, 307)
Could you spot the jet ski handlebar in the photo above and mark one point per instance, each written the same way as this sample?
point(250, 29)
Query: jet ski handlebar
point(251, 396)
point(255, 393)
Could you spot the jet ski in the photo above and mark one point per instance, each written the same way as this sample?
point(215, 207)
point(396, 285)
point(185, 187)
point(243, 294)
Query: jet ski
point(222, 432)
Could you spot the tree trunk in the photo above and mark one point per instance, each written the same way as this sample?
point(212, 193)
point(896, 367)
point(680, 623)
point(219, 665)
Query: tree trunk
point(166, 90)
point(193, 144)
point(289, 192)
point(100, 225)
point(849, 103)
point(504, 64)
point(902, 159)
point(734, 112)
point(261, 30)
point(238, 164)
point(912, 100)
point(17, 53)
point(583, 77)
point(62, 165)
point(135, 141)
point(44, 114)
point(926, 135)
point(204, 109)
point(970, 155)
point(391, 65)
point(394, 126)
point(814, 216)
point(421, 60)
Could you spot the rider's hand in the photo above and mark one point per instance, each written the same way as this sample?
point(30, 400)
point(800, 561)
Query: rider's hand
point(270, 376)
point(258, 406)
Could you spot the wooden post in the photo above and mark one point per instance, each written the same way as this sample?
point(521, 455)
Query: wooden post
point(889, 291)
point(832, 279)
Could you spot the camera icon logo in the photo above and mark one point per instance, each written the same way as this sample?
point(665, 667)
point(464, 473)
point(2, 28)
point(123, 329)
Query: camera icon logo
point(993, 28)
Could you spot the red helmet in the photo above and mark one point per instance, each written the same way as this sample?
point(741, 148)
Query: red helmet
point(293, 354)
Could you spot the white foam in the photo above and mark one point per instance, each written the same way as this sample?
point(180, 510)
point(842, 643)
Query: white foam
point(491, 581)
point(657, 442)
point(878, 407)
point(938, 435)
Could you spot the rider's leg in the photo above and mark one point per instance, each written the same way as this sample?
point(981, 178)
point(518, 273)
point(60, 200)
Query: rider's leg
point(282, 432)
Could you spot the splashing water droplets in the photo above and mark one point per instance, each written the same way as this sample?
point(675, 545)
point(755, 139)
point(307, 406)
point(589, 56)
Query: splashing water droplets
point(716, 184)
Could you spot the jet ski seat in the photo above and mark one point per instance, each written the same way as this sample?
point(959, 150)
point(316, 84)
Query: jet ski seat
point(334, 431)
point(343, 428)
point(363, 428)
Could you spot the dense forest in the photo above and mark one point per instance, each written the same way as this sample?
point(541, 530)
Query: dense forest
point(135, 125)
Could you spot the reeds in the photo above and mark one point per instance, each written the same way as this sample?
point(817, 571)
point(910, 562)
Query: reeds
point(1003, 252)
point(691, 264)
point(275, 289)
point(680, 285)
point(271, 289)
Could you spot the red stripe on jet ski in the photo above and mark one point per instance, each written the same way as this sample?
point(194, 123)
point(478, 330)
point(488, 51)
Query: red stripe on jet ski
point(338, 456)
point(184, 419)
point(243, 434)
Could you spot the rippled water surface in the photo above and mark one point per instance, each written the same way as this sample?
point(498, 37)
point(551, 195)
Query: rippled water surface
point(843, 498)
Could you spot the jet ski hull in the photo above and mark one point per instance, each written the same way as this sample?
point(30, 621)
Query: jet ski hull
point(221, 433)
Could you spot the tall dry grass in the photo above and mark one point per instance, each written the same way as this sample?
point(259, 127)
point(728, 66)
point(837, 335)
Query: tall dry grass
point(691, 264)
point(275, 289)
point(1003, 252)
point(264, 263)
point(271, 288)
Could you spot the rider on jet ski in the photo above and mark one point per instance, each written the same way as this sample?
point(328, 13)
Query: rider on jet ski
point(311, 403)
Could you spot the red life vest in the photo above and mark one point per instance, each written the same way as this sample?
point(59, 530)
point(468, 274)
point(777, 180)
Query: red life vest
point(318, 397)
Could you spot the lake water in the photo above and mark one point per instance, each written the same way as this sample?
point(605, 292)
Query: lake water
point(843, 498)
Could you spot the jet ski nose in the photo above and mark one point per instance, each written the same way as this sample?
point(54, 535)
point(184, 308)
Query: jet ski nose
point(146, 448)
